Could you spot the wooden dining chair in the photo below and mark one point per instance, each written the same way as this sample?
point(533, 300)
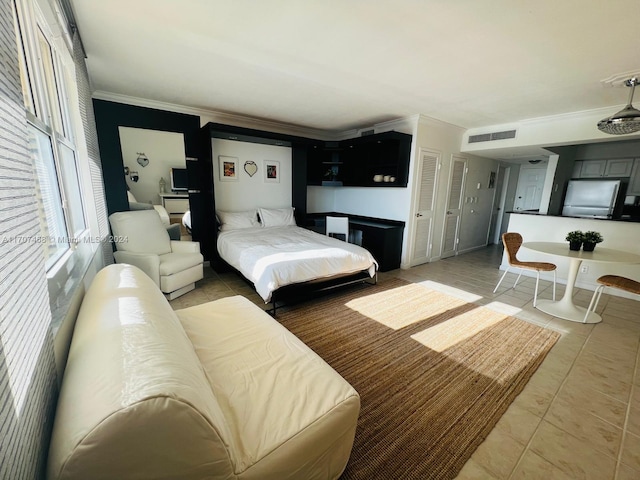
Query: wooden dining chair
point(613, 281)
point(512, 242)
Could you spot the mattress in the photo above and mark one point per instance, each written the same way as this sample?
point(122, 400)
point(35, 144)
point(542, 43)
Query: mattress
point(273, 257)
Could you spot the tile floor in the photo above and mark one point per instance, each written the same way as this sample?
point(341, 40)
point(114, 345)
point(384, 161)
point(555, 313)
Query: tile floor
point(579, 415)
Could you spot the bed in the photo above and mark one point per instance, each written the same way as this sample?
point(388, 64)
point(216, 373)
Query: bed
point(275, 255)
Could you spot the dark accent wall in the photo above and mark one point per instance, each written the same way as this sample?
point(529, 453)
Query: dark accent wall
point(110, 116)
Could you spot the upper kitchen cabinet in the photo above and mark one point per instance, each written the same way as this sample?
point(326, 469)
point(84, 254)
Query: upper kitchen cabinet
point(379, 160)
point(616, 167)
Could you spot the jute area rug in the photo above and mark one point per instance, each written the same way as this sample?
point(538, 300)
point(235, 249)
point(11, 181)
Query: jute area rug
point(434, 372)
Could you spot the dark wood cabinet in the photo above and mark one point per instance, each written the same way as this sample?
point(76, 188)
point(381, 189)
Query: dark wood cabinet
point(378, 160)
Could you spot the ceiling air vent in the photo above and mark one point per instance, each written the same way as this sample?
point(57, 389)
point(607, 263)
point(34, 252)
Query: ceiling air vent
point(489, 137)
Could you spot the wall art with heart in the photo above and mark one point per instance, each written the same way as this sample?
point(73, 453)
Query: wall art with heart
point(142, 159)
point(250, 167)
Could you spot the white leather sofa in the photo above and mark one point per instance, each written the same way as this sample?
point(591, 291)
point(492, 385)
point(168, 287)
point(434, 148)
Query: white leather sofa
point(216, 391)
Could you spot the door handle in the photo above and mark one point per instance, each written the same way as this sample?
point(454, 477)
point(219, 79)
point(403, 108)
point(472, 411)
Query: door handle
point(449, 212)
point(418, 214)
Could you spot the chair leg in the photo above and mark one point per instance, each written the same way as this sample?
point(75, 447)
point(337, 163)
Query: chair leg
point(535, 293)
point(517, 279)
point(595, 299)
point(501, 278)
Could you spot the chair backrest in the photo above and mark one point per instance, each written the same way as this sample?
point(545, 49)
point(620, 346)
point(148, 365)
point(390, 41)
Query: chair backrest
point(140, 231)
point(338, 227)
point(512, 242)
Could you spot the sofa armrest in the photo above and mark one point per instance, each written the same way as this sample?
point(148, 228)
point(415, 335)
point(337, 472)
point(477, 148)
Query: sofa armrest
point(185, 247)
point(149, 263)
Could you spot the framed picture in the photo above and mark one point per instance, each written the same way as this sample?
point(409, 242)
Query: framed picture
point(492, 180)
point(228, 168)
point(272, 171)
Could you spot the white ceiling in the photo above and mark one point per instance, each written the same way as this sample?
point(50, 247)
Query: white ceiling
point(336, 65)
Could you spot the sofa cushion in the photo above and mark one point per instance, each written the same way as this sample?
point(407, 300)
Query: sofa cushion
point(150, 234)
point(135, 401)
point(291, 411)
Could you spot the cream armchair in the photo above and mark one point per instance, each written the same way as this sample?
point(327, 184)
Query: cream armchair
point(142, 240)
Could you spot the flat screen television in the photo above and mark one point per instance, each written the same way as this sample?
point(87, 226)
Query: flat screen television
point(179, 182)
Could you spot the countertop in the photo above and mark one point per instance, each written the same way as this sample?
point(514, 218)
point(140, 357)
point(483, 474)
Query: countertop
point(623, 218)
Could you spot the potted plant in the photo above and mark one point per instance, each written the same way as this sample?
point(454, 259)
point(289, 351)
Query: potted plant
point(575, 239)
point(590, 239)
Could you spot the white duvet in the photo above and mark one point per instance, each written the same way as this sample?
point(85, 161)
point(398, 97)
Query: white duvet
point(277, 256)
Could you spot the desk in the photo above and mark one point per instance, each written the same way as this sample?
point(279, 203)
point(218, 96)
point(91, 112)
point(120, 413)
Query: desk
point(176, 204)
point(383, 238)
point(565, 308)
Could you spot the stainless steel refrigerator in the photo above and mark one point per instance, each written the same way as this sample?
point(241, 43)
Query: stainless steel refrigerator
point(593, 198)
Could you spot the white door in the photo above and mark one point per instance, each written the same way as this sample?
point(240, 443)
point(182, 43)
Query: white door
point(428, 167)
point(529, 190)
point(454, 207)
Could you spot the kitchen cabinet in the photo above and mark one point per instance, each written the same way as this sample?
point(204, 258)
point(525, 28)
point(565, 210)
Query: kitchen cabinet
point(634, 181)
point(612, 168)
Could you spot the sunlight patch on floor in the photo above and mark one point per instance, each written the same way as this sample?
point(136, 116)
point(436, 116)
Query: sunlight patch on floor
point(503, 308)
point(412, 303)
point(445, 335)
point(455, 292)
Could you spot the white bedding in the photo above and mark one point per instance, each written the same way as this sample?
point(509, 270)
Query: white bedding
point(277, 256)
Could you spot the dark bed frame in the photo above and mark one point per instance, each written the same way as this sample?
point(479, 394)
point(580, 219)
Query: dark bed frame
point(296, 292)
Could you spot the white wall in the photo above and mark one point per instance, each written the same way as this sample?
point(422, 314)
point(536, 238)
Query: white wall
point(251, 192)
point(165, 150)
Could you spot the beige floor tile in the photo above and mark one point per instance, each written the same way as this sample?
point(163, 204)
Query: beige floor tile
point(574, 457)
point(518, 423)
point(595, 376)
point(627, 473)
point(584, 397)
point(581, 424)
point(498, 454)
point(473, 471)
point(534, 467)
point(631, 450)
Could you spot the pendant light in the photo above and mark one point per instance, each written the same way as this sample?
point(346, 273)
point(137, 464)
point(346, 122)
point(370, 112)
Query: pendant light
point(626, 120)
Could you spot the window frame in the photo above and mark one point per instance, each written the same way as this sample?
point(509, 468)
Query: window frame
point(30, 23)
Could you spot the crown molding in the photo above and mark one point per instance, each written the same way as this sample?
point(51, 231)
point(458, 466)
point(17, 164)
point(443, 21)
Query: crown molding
point(220, 117)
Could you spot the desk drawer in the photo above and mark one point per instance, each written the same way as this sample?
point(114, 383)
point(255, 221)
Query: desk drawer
point(176, 205)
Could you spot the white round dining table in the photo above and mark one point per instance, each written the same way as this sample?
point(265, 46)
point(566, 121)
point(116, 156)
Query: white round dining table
point(565, 308)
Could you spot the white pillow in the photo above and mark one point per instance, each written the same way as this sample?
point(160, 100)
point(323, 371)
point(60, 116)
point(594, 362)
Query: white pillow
point(237, 220)
point(130, 197)
point(276, 217)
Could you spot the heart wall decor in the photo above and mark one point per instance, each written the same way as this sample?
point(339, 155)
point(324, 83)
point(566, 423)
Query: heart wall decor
point(250, 167)
point(142, 159)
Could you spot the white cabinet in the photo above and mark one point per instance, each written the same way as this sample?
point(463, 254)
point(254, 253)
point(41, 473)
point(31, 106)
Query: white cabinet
point(593, 168)
point(615, 167)
point(619, 167)
point(634, 181)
